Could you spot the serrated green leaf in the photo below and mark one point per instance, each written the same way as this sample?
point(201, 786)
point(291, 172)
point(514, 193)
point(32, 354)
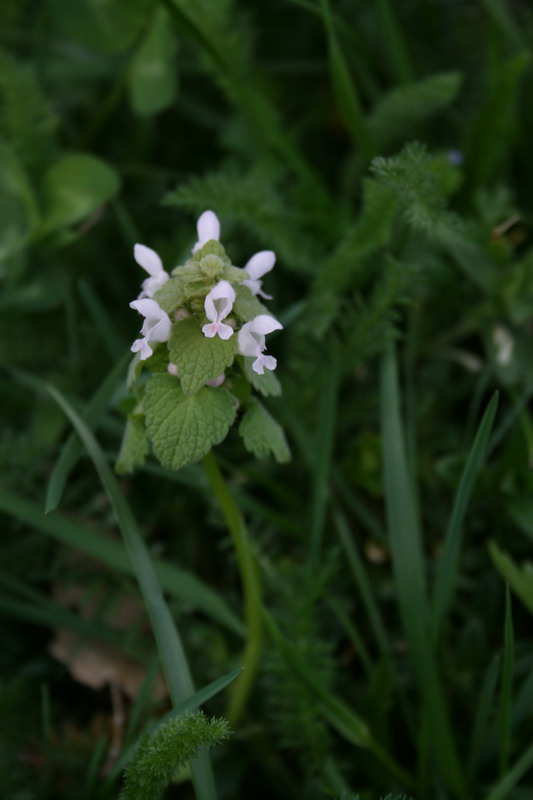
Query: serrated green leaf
point(134, 447)
point(262, 435)
point(198, 358)
point(152, 77)
point(246, 305)
point(74, 187)
point(171, 295)
point(267, 383)
point(183, 428)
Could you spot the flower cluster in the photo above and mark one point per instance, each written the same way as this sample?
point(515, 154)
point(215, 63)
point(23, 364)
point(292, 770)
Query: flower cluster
point(221, 317)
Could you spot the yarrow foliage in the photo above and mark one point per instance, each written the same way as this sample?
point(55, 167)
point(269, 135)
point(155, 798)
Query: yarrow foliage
point(203, 342)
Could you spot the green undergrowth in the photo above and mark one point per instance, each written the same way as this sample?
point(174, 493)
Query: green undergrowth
point(355, 528)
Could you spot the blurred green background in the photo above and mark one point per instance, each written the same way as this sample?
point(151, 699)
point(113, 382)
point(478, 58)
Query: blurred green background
point(382, 150)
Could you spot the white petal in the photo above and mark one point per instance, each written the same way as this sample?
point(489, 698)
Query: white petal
point(208, 228)
point(160, 332)
point(172, 370)
point(222, 291)
point(210, 330)
point(151, 285)
point(260, 264)
point(248, 345)
point(143, 346)
point(269, 362)
point(264, 323)
point(147, 307)
point(254, 286)
point(257, 366)
point(225, 331)
point(148, 259)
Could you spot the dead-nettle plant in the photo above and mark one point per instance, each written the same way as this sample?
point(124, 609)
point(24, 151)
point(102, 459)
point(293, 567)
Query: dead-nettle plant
point(200, 363)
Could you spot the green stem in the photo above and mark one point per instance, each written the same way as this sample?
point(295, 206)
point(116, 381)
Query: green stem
point(251, 589)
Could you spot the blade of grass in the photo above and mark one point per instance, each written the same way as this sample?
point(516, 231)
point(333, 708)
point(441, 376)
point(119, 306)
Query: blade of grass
point(345, 89)
point(71, 449)
point(395, 42)
point(356, 639)
point(506, 694)
point(362, 582)
point(448, 566)
point(519, 768)
point(499, 14)
point(483, 711)
point(178, 582)
point(327, 411)
point(408, 566)
point(173, 659)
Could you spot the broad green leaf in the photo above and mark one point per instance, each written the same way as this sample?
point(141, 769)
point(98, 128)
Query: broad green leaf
point(402, 109)
point(519, 578)
point(152, 76)
point(183, 428)
point(262, 435)
point(198, 358)
point(171, 295)
point(267, 383)
point(134, 447)
point(74, 187)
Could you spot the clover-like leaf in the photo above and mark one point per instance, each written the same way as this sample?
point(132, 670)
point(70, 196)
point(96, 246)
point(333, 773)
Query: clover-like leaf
point(262, 435)
point(183, 428)
point(198, 358)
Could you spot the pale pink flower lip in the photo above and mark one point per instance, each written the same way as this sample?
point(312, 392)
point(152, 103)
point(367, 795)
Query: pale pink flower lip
point(156, 326)
point(218, 304)
point(251, 340)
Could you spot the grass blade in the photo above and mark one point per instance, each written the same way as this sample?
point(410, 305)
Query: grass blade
point(323, 455)
point(483, 711)
point(362, 583)
point(519, 768)
point(345, 88)
point(72, 448)
point(169, 644)
point(408, 565)
point(178, 582)
point(448, 567)
point(506, 696)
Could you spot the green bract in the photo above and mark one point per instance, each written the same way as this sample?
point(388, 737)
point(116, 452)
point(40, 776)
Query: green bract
point(189, 392)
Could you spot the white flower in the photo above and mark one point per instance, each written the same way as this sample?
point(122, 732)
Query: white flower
point(150, 261)
point(251, 340)
point(256, 267)
point(156, 326)
point(208, 228)
point(218, 305)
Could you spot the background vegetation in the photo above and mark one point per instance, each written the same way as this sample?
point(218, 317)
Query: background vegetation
point(383, 151)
